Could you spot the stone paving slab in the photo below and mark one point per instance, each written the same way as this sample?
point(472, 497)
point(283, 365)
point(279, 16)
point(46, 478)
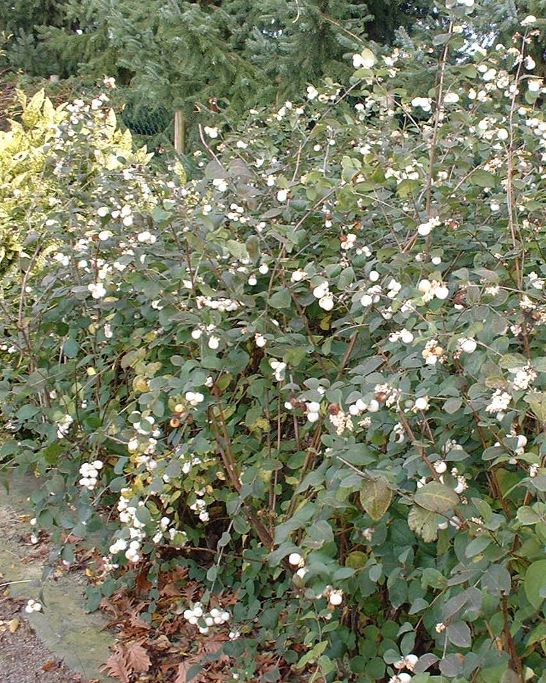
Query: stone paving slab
point(64, 628)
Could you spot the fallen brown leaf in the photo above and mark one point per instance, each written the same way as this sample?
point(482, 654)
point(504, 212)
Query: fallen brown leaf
point(183, 670)
point(137, 657)
point(116, 665)
point(161, 643)
point(14, 624)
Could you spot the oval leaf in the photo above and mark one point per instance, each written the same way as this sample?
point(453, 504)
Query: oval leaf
point(424, 523)
point(459, 634)
point(436, 497)
point(281, 299)
point(376, 497)
point(535, 583)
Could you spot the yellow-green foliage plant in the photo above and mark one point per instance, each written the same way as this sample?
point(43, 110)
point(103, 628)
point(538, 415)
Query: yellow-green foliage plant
point(34, 185)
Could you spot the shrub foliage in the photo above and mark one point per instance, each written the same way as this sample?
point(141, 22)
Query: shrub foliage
point(323, 360)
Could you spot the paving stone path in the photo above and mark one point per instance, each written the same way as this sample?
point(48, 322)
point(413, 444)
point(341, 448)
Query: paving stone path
point(62, 644)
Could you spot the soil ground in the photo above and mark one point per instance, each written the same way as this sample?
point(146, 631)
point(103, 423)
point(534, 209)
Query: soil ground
point(23, 657)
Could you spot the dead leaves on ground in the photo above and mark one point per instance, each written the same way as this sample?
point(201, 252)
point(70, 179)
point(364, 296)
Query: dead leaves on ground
point(13, 624)
point(160, 646)
point(167, 647)
point(172, 662)
point(128, 659)
point(210, 646)
point(10, 625)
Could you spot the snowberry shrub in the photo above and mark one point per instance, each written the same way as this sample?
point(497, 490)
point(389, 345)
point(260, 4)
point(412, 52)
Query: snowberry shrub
point(324, 358)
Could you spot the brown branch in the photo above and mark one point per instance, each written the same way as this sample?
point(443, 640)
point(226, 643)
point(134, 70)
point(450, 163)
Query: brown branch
point(231, 470)
point(313, 449)
point(437, 121)
point(508, 641)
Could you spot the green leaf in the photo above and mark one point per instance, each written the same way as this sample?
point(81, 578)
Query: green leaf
point(252, 245)
point(441, 38)
point(469, 71)
point(212, 573)
point(376, 497)
point(8, 448)
point(61, 329)
point(535, 583)
point(281, 299)
point(510, 676)
point(418, 605)
point(537, 402)
point(117, 483)
point(436, 497)
point(52, 452)
point(237, 249)
point(71, 348)
point(538, 635)
point(312, 655)
point(496, 580)
point(452, 405)
point(482, 178)
point(539, 482)
point(295, 356)
point(357, 559)
point(477, 545)
point(27, 411)
point(215, 170)
point(159, 215)
point(224, 539)
point(539, 364)
point(459, 634)
point(299, 520)
point(345, 278)
point(343, 573)
point(319, 533)
point(93, 597)
point(424, 523)
point(512, 360)
point(143, 514)
point(527, 516)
